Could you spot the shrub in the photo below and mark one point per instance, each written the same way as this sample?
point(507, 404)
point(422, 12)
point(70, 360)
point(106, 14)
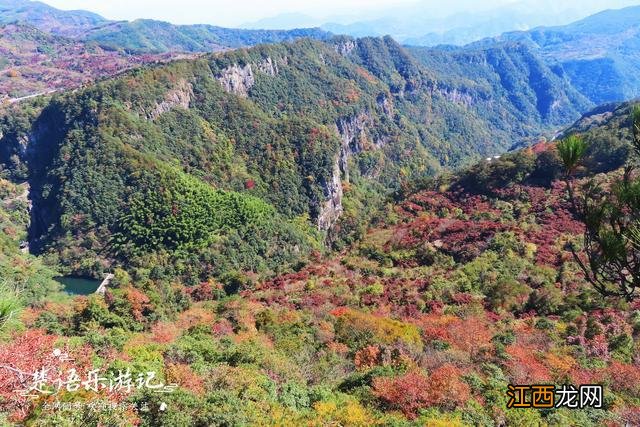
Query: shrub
point(358, 329)
point(413, 391)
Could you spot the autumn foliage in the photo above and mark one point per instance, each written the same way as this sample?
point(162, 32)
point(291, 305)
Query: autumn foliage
point(414, 390)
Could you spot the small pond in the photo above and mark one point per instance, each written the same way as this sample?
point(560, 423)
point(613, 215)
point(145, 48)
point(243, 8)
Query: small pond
point(78, 285)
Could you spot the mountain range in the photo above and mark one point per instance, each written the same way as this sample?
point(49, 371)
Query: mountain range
point(142, 35)
point(600, 54)
point(308, 130)
point(316, 130)
point(457, 22)
point(597, 55)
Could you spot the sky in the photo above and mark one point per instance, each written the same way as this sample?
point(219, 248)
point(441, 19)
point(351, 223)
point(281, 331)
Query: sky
point(238, 13)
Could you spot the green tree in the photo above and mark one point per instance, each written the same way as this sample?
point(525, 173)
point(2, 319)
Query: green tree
point(571, 150)
point(10, 305)
point(612, 222)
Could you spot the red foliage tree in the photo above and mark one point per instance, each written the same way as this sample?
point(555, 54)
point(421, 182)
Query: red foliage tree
point(446, 389)
point(139, 302)
point(205, 291)
point(26, 354)
point(524, 367)
point(624, 377)
point(184, 376)
point(367, 357)
point(413, 391)
point(164, 333)
point(407, 393)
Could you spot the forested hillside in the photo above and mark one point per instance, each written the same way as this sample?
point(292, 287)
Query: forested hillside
point(320, 231)
point(503, 80)
point(47, 18)
point(149, 36)
point(320, 132)
point(598, 54)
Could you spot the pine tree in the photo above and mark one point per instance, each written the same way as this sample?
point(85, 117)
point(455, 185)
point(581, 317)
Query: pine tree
point(612, 221)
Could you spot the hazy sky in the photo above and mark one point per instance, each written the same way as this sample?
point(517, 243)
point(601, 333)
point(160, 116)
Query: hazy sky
point(235, 13)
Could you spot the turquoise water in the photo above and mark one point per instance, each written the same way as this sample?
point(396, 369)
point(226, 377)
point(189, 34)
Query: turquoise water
point(78, 285)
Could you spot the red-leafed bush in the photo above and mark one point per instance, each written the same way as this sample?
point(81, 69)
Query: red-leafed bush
point(222, 328)
point(630, 416)
point(140, 303)
point(339, 311)
point(367, 357)
point(205, 291)
point(447, 390)
point(413, 391)
point(164, 333)
point(471, 335)
point(184, 376)
point(625, 377)
point(525, 367)
point(21, 358)
point(407, 393)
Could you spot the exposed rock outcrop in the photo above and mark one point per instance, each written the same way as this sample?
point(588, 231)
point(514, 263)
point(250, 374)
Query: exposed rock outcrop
point(385, 104)
point(355, 137)
point(332, 208)
point(23, 144)
point(237, 80)
point(454, 95)
point(269, 66)
point(344, 48)
point(179, 97)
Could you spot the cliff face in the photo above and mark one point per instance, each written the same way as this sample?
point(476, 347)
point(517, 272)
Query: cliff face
point(345, 47)
point(353, 137)
point(270, 66)
point(355, 133)
point(385, 104)
point(332, 208)
point(455, 95)
point(178, 97)
point(237, 80)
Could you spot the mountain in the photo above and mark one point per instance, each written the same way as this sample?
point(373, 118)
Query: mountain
point(47, 18)
point(143, 35)
point(606, 130)
point(44, 50)
point(34, 62)
point(421, 29)
point(318, 132)
point(460, 22)
point(599, 54)
point(504, 80)
point(284, 21)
